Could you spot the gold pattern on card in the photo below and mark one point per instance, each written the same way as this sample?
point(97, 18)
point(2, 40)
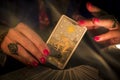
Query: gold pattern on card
point(64, 40)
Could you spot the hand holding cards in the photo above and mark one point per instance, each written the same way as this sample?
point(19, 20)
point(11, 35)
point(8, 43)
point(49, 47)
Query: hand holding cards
point(63, 41)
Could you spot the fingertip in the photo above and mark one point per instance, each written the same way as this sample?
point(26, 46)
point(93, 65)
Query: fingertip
point(35, 63)
point(96, 38)
point(46, 52)
point(95, 20)
point(81, 22)
point(89, 6)
point(42, 60)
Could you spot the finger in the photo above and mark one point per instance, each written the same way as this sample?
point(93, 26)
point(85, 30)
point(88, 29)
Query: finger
point(105, 22)
point(26, 43)
point(97, 12)
point(5, 49)
point(107, 36)
point(23, 53)
point(22, 56)
point(87, 23)
point(92, 8)
point(31, 35)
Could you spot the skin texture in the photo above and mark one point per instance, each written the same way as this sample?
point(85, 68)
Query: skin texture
point(32, 50)
point(112, 36)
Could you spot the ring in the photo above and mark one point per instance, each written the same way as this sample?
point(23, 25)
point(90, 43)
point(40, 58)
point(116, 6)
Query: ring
point(13, 48)
point(115, 22)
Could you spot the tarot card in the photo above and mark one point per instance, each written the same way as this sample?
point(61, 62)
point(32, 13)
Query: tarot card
point(63, 41)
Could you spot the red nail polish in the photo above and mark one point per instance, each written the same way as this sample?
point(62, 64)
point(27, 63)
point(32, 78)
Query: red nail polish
point(89, 4)
point(81, 22)
point(96, 38)
point(34, 63)
point(46, 52)
point(95, 20)
point(42, 60)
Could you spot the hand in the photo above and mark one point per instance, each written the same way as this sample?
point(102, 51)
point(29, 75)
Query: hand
point(31, 48)
point(105, 20)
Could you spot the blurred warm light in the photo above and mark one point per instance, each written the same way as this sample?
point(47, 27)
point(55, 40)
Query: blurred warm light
point(118, 46)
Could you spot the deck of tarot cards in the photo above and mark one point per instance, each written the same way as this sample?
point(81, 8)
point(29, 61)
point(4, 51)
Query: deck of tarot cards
point(63, 41)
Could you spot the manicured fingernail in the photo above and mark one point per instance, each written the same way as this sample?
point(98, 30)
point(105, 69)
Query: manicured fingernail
point(81, 22)
point(95, 20)
point(34, 63)
point(46, 52)
point(42, 60)
point(96, 38)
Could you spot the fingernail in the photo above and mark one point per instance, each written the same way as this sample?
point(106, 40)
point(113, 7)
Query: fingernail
point(34, 63)
point(95, 20)
point(81, 22)
point(42, 60)
point(89, 4)
point(96, 38)
point(46, 52)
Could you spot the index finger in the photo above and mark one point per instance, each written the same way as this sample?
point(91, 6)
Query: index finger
point(87, 22)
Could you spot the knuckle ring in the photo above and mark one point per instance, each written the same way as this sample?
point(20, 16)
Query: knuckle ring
point(13, 48)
